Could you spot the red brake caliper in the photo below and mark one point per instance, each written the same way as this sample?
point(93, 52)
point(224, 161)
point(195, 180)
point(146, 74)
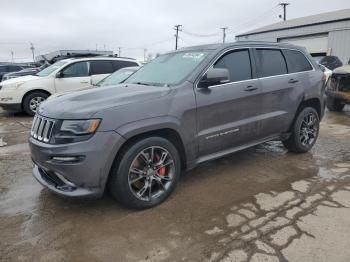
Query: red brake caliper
point(162, 170)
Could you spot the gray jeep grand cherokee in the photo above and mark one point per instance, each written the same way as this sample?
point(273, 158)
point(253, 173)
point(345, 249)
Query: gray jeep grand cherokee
point(181, 109)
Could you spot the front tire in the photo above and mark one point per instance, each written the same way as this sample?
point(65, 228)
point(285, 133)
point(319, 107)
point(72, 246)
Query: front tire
point(304, 131)
point(334, 104)
point(32, 101)
point(145, 173)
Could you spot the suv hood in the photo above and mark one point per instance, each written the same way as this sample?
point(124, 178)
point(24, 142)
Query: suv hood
point(84, 104)
point(19, 79)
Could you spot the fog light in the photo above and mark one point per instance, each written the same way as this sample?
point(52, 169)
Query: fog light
point(5, 99)
point(67, 159)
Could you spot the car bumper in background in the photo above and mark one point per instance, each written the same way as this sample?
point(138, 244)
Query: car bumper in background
point(344, 96)
point(85, 176)
point(16, 107)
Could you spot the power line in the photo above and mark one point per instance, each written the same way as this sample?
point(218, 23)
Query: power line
point(199, 35)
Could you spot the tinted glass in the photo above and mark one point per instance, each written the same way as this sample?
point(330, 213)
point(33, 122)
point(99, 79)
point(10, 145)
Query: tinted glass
point(169, 69)
point(3, 69)
point(79, 69)
point(298, 61)
point(272, 62)
point(12, 68)
point(121, 64)
point(101, 67)
point(238, 64)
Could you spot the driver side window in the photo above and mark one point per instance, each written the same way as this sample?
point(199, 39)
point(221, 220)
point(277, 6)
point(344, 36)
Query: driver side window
point(238, 64)
point(79, 69)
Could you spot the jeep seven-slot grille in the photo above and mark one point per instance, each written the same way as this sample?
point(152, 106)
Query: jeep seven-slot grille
point(42, 128)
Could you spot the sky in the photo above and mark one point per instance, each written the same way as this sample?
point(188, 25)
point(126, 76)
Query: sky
point(134, 25)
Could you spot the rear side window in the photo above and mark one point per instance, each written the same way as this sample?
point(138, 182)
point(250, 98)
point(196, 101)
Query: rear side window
point(100, 67)
point(238, 64)
point(272, 62)
point(121, 64)
point(298, 61)
point(3, 69)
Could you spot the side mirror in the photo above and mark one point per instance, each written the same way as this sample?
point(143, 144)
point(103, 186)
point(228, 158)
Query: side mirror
point(59, 74)
point(214, 76)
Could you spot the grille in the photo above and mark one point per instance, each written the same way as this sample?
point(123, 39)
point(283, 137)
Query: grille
point(42, 128)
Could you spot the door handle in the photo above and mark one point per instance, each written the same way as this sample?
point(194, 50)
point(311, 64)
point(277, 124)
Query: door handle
point(293, 81)
point(250, 88)
point(84, 82)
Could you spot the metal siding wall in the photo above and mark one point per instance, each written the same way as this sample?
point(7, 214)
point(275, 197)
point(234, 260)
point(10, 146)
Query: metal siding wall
point(338, 38)
point(339, 42)
point(315, 29)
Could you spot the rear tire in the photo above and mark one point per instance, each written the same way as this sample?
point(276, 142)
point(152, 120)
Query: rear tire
point(304, 131)
point(32, 101)
point(151, 187)
point(334, 104)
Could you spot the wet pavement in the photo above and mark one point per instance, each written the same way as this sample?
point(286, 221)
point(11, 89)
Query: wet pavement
point(260, 204)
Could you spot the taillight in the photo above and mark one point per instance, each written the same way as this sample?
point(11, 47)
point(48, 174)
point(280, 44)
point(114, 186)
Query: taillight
point(324, 78)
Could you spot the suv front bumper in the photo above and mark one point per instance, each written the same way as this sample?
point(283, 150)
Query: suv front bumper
point(87, 176)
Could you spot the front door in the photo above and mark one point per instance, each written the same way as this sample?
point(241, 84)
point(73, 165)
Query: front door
point(228, 114)
point(74, 76)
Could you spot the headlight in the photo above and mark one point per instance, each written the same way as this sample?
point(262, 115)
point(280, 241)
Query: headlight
point(12, 86)
point(80, 127)
point(72, 131)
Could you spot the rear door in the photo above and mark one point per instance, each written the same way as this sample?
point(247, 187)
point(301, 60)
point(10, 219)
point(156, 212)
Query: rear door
point(227, 114)
point(277, 91)
point(75, 76)
point(101, 69)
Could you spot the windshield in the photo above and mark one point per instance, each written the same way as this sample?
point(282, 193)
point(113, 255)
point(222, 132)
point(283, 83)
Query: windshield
point(51, 68)
point(117, 77)
point(169, 69)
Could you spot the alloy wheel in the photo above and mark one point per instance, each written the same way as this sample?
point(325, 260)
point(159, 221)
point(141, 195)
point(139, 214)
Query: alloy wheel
point(35, 102)
point(308, 129)
point(151, 173)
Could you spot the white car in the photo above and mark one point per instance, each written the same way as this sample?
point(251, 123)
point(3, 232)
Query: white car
point(28, 92)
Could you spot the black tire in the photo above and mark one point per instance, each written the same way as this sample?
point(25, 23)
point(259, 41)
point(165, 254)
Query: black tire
point(334, 104)
point(119, 185)
point(296, 142)
point(28, 100)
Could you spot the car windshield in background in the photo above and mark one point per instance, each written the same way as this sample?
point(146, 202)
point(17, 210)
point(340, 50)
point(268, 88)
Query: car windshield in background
point(169, 69)
point(117, 77)
point(51, 68)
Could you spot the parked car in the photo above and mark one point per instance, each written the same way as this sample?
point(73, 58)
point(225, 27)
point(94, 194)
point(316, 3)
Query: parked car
point(7, 68)
point(113, 79)
point(118, 76)
point(24, 72)
point(179, 110)
point(331, 62)
point(338, 89)
point(26, 93)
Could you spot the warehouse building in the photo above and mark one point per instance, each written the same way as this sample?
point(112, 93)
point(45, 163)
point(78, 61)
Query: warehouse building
point(322, 34)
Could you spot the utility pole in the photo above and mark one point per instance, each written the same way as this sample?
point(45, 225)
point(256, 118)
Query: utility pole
point(284, 5)
point(177, 29)
point(12, 59)
point(32, 49)
point(224, 34)
point(119, 51)
point(144, 54)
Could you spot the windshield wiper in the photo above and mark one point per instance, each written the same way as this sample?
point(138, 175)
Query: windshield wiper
point(140, 83)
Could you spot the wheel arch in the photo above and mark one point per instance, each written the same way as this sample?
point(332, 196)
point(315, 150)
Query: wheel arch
point(32, 91)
